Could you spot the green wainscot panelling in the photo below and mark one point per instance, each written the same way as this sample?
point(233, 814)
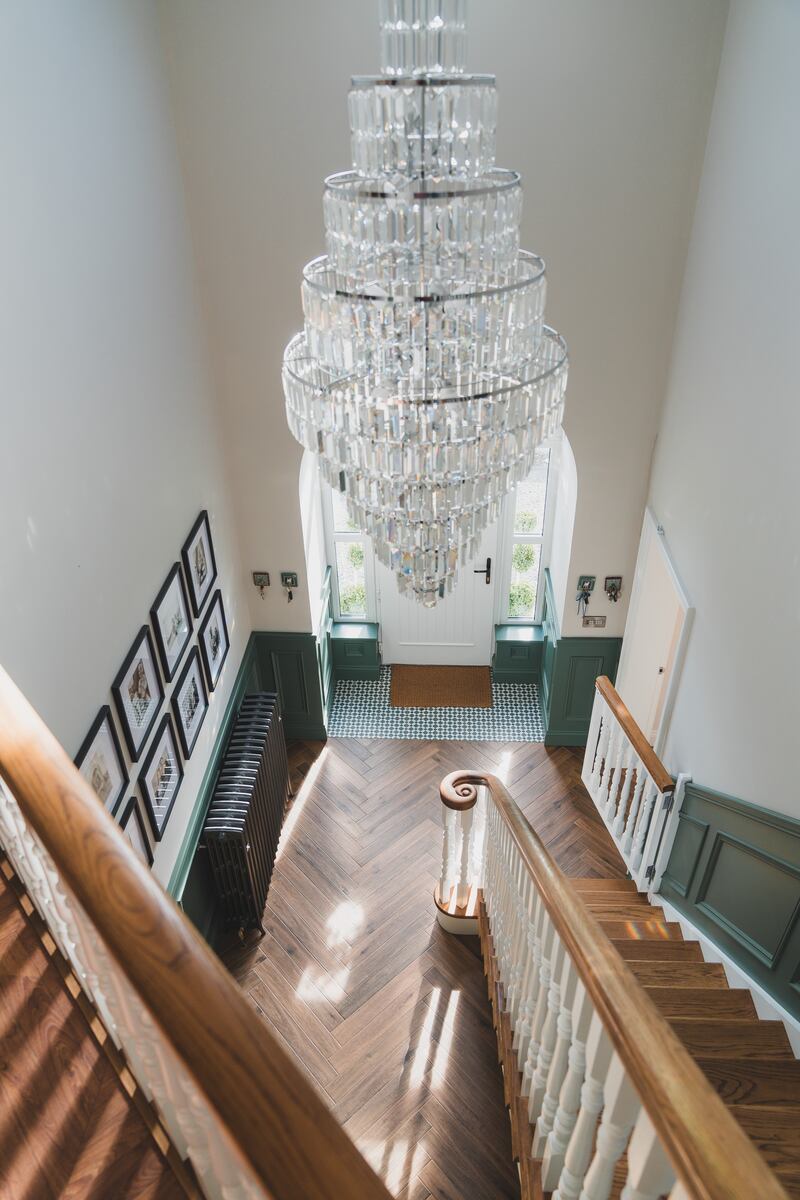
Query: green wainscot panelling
point(570, 666)
point(734, 872)
point(356, 650)
point(517, 653)
point(286, 663)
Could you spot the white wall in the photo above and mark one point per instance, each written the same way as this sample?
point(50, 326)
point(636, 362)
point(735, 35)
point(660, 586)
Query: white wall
point(108, 436)
point(604, 108)
point(725, 474)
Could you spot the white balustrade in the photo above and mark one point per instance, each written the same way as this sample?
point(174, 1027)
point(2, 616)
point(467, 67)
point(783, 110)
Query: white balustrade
point(632, 791)
point(585, 1114)
point(191, 1123)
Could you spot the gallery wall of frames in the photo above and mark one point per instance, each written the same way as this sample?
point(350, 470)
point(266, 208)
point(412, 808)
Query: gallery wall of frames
point(161, 697)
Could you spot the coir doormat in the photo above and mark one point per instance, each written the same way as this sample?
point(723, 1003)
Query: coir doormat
point(441, 687)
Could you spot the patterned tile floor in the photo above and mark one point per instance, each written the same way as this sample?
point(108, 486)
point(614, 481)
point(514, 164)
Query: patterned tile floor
point(361, 709)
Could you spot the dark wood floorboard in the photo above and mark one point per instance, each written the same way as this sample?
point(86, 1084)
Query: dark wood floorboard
point(386, 1014)
point(68, 1131)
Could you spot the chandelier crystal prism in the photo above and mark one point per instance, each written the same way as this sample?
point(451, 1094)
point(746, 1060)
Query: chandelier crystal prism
point(425, 376)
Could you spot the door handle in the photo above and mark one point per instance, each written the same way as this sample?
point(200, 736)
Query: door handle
point(487, 570)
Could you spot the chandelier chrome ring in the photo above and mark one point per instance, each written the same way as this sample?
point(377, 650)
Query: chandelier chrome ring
point(352, 186)
point(313, 270)
point(359, 82)
point(549, 337)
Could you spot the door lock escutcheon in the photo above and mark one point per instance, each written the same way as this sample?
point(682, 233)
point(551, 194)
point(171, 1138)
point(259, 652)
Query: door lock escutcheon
point(487, 570)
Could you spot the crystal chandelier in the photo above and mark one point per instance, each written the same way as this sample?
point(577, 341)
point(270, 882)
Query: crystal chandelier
point(425, 376)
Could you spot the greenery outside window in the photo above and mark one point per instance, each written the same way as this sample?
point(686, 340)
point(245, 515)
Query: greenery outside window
point(527, 535)
point(351, 558)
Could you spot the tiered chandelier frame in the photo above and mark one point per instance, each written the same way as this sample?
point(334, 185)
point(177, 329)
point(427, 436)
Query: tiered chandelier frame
point(425, 376)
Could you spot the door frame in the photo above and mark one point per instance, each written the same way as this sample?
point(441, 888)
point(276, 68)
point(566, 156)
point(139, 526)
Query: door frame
point(653, 538)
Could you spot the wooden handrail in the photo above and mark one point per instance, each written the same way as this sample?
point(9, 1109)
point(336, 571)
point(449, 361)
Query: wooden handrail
point(710, 1152)
point(650, 760)
point(273, 1116)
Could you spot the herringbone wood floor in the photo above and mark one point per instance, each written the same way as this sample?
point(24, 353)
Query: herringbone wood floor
point(385, 1013)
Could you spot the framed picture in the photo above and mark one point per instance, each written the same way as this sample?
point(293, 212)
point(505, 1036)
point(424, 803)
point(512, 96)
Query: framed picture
point(161, 777)
point(132, 825)
point(214, 644)
point(100, 761)
point(138, 693)
point(199, 563)
point(190, 703)
point(171, 621)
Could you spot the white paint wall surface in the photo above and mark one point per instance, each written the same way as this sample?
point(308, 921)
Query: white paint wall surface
point(725, 474)
point(603, 106)
point(108, 439)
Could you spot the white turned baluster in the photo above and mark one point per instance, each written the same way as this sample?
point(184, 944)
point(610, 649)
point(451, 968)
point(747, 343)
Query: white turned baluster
point(519, 975)
point(547, 1043)
point(569, 1099)
point(477, 848)
point(642, 823)
point(650, 1174)
point(622, 806)
point(616, 745)
point(522, 1032)
point(462, 895)
point(448, 840)
point(579, 1150)
point(590, 756)
point(558, 1067)
point(633, 812)
point(622, 1106)
point(540, 917)
point(602, 746)
point(522, 1027)
point(540, 1011)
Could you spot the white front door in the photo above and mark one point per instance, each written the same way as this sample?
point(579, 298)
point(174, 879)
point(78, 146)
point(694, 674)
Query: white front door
point(457, 632)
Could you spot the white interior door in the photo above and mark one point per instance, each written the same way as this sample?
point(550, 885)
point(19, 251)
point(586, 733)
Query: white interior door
point(655, 637)
point(457, 632)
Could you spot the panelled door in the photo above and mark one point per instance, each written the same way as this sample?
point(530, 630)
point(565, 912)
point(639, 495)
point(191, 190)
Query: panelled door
point(457, 632)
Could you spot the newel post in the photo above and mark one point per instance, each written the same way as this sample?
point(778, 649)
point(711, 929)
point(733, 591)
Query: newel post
point(463, 852)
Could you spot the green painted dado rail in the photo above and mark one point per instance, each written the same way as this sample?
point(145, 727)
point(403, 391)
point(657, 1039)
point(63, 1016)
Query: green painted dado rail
point(734, 872)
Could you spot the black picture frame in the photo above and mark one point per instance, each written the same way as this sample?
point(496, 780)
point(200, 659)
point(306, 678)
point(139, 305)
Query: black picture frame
point(121, 689)
point(191, 671)
point(159, 808)
point(133, 811)
point(212, 665)
point(170, 660)
point(200, 588)
point(103, 721)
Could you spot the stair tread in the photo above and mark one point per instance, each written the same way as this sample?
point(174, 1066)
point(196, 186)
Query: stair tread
point(776, 1133)
point(679, 974)
point(638, 930)
point(753, 1081)
point(587, 884)
point(733, 1039)
point(704, 1004)
point(68, 1122)
point(652, 950)
point(623, 910)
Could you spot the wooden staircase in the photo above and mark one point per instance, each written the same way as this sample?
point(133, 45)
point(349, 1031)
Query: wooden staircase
point(70, 1128)
point(748, 1061)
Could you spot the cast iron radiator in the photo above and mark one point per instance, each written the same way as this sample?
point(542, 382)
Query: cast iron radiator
point(244, 819)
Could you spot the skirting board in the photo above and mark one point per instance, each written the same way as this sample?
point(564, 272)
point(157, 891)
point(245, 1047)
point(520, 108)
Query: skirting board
point(766, 1007)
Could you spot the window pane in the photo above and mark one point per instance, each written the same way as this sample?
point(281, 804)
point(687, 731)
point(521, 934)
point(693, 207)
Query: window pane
point(341, 521)
point(351, 576)
point(524, 580)
point(530, 496)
